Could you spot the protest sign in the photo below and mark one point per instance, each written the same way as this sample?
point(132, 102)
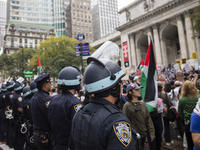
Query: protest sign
point(178, 62)
point(138, 73)
point(188, 67)
point(194, 55)
point(161, 77)
point(180, 76)
point(196, 66)
point(176, 66)
point(159, 68)
point(183, 60)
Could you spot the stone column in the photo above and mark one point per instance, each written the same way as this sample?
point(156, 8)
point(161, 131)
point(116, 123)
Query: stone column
point(138, 52)
point(189, 33)
point(132, 50)
point(164, 52)
point(182, 38)
point(158, 54)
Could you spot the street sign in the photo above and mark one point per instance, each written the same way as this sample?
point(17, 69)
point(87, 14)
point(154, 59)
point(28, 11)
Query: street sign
point(85, 49)
point(80, 37)
point(28, 74)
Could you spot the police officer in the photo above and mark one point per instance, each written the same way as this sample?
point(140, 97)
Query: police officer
point(2, 114)
point(63, 107)
point(17, 105)
point(10, 131)
point(39, 110)
point(99, 124)
point(28, 124)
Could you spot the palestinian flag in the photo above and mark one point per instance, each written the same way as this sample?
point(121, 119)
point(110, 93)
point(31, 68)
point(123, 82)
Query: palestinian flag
point(39, 67)
point(149, 92)
point(141, 65)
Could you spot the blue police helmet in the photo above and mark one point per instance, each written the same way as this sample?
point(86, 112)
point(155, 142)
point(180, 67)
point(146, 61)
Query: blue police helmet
point(3, 88)
point(10, 84)
point(33, 87)
point(26, 91)
point(69, 76)
point(18, 86)
point(101, 75)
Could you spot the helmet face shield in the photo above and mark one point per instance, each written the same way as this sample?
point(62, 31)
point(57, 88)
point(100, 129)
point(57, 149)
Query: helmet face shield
point(102, 73)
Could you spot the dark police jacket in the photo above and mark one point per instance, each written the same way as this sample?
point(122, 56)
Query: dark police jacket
point(8, 98)
point(99, 125)
point(39, 111)
point(2, 102)
point(17, 102)
point(61, 112)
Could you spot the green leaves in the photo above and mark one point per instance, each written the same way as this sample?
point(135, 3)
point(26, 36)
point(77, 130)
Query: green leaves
point(54, 53)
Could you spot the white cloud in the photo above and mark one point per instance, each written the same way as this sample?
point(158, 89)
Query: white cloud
point(123, 3)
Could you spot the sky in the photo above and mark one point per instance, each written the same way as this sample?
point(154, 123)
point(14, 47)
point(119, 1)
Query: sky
point(122, 3)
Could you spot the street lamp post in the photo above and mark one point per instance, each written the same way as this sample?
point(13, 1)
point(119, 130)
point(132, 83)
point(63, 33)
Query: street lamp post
point(22, 61)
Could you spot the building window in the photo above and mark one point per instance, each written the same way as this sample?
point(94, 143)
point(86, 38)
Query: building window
point(12, 33)
point(25, 40)
point(35, 34)
point(25, 34)
point(20, 40)
point(12, 39)
point(20, 33)
point(31, 46)
point(25, 46)
point(31, 41)
point(35, 41)
point(45, 36)
point(41, 35)
point(30, 34)
point(12, 44)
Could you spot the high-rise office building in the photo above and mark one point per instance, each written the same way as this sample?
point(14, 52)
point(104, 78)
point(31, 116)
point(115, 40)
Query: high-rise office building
point(3, 8)
point(81, 19)
point(46, 12)
point(105, 17)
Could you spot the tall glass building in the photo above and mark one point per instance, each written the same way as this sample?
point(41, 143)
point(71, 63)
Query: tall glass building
point(104, 17)
point(3, 8)
point(45, 12)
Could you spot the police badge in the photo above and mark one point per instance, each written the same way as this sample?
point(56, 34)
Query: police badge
point(20, 99)
point(123, 132)
point(77, 107)
point(47, 104)
point(11, 96)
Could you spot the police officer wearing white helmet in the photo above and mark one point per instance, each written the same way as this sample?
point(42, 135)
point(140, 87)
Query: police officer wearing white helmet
point(99, 125)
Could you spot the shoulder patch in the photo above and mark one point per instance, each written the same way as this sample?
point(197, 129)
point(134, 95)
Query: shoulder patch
point(19, 99)
point(77, 107)
point(4, 96)
point(47, 104)
point(123, 132)
point(11, 96)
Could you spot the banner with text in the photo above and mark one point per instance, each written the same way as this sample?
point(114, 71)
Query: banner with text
point(125, 54)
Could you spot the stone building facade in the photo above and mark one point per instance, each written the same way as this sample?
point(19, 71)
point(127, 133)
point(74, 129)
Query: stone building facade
point(168, 24)
point(81, 19)
point(25, 35)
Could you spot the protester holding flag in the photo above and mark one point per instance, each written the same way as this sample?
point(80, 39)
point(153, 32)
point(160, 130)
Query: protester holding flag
point(137, 112)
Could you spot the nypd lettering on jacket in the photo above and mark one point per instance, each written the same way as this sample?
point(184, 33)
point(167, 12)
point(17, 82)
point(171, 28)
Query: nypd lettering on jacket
point(123, 132)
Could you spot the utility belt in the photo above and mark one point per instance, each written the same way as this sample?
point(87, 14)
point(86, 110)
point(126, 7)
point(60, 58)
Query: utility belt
point(44, 136)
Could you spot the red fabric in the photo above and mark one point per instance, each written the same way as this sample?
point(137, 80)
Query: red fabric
point(38, 62)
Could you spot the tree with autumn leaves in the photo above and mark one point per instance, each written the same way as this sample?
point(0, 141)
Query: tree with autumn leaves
point(54, 53)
